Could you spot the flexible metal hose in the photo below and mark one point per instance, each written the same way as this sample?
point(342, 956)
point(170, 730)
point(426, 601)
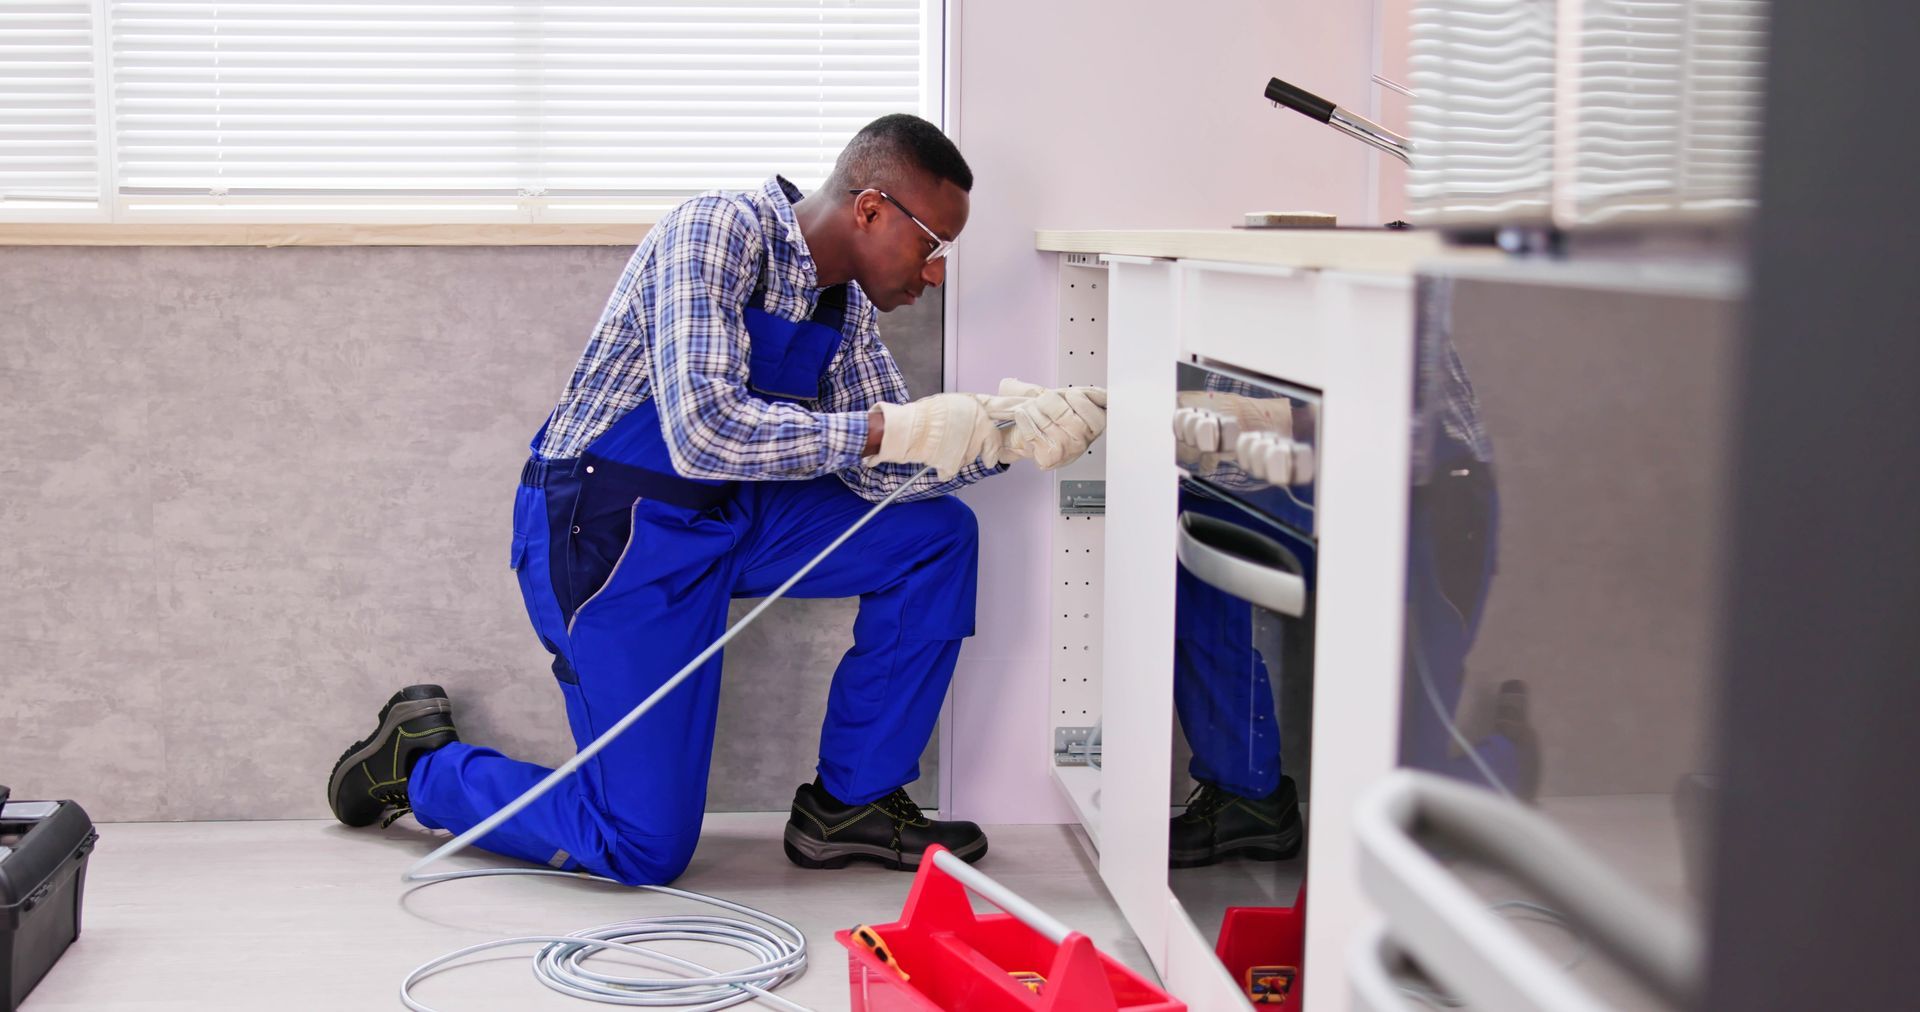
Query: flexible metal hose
point(561, 962)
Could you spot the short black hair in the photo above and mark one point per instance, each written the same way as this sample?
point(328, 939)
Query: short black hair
point(887, 149)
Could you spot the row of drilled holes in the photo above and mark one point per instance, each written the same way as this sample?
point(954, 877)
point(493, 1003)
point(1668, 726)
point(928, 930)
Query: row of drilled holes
point(1088, 583)
point(1085, 615)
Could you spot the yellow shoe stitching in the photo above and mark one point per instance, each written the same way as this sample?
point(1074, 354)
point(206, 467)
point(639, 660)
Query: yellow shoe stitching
point(403, 734)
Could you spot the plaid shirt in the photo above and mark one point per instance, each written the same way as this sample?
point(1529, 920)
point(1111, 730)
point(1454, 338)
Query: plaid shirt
point(673, 329)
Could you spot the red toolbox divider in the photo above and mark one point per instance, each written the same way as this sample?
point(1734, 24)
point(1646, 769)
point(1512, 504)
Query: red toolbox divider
point(960, 961)
point(1273, 937)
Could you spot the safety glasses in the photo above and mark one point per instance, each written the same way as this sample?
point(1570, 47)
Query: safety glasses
point(941, 247)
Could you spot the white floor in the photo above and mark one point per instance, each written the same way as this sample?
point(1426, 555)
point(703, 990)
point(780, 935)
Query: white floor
point(310, 915)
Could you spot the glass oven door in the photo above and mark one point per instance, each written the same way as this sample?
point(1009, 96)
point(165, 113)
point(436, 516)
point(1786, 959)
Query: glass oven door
point(1243, 670)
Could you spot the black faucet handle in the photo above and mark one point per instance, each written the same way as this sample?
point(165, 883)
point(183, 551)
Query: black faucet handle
point(1300, 100)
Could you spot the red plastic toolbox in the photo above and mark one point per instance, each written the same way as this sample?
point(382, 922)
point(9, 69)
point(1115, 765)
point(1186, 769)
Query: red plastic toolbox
point(960, 961)
point(1266, 936)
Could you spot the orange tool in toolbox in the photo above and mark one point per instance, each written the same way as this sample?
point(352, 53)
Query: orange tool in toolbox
point(940, 955)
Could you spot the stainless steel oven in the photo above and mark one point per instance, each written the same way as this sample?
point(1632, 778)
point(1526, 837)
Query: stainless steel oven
point(1243, 665)
point(1545, 847)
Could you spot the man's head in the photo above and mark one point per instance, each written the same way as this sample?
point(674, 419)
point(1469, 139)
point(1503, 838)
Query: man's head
point(898, 179)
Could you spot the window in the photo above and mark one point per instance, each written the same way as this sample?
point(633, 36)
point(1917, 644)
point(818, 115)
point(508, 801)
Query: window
point(50, 134)
point(438, 110)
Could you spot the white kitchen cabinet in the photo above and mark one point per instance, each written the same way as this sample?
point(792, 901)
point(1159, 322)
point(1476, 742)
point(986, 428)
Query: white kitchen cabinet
point(1328, 311)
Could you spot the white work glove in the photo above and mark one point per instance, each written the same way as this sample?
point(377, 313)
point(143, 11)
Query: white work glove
point(948, 431)
point(1055, 426)
point(1000, 409)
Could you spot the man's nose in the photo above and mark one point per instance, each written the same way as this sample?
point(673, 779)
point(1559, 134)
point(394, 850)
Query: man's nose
point(934, 272)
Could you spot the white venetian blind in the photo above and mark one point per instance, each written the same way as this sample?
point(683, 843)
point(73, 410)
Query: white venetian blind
point(1483, 77)
point(1628, 111)
point(1667, 113)
point(439, 100)
point(1725, 78)
point(49, 144)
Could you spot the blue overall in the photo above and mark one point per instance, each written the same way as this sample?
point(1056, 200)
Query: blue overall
point(1222, 687)
point(1452, 542)
point(626, 569)
point(1222, 678)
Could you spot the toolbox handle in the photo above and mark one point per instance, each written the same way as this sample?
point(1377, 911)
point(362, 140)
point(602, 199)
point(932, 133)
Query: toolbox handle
point(1002, 897)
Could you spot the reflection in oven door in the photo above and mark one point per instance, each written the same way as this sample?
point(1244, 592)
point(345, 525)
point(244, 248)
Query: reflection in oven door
point(1243, 669)
point(1568, 489)
point(1251, 440)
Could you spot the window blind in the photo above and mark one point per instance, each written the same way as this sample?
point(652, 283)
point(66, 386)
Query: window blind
point(49, 143)
point(1628, 108)
point(1725, 78)
point(425, 104)
point(1668, 108)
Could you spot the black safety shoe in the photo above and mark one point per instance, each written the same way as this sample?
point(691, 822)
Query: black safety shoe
point(371, 777)
point(823, 833)
point(1510, 722)
point(1217, 824)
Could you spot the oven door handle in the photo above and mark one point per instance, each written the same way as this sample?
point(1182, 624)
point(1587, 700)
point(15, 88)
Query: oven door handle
point(1447, 927)
point(1245, 563)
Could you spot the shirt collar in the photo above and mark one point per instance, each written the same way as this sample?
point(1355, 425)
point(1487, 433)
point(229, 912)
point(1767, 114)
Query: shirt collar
point(781, 196)
point(778, 196)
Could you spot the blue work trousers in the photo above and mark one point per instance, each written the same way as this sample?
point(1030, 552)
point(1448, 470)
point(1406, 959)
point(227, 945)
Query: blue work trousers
point(1226, 656)
point(620, 626)
point(1452, 540)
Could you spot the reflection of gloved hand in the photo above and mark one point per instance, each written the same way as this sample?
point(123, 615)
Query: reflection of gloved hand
point(1211, 420)
point(948, 431)
point(1054, 426)
point(1212, 465)
point(1254, 437)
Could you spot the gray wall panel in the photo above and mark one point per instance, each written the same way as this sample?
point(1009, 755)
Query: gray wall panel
point(245, 493)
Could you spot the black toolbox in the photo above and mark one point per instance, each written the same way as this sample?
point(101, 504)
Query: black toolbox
point(43, 872)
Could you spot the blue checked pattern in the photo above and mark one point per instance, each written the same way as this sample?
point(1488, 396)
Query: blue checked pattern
point(673, 330)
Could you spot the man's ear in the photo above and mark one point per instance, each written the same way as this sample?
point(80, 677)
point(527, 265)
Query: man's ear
point(865, 212)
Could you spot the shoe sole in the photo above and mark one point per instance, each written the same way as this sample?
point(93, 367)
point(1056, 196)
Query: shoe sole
point(397, 711)
point(808, 852)
point(1259, 848)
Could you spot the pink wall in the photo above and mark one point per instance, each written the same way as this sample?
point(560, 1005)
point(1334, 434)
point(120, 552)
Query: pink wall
point(1083, 114)
point(1390, 108)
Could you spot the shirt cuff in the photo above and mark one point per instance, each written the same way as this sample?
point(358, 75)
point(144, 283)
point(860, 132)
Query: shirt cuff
point(846, 437)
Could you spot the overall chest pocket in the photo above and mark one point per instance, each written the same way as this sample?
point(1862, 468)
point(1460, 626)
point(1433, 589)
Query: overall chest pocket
point(787, 360)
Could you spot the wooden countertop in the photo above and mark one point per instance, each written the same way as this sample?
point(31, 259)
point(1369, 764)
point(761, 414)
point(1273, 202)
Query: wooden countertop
point(1378, 250)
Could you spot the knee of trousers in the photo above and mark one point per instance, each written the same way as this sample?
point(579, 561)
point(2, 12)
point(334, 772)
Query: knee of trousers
point(637, 860)
point(945, 526)
point(938, 572)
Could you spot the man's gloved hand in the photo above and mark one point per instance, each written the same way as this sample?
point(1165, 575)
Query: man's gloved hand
point(948, 431)
point(1054, 427)
point(1000, 408)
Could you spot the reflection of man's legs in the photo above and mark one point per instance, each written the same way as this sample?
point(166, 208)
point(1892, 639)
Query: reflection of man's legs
point(1224, 698)
point(1451, 545)
point(1221, 691)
